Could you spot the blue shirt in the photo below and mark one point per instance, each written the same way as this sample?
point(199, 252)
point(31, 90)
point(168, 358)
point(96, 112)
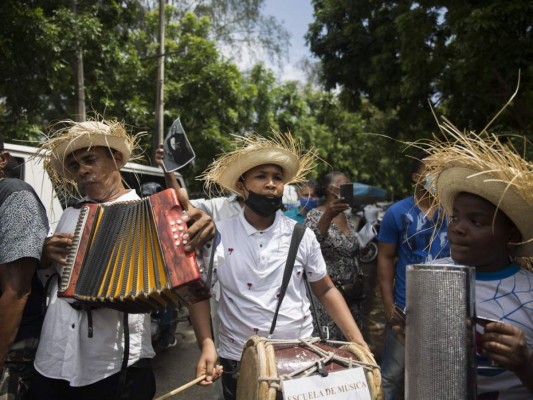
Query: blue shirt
point(294, 213)
point(418, 239)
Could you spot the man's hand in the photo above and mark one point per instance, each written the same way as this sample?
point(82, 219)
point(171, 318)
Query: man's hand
point(56, 249)
point(397, 321)
point(202, 229)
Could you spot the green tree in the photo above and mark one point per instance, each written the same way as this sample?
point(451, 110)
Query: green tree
point(37, 52)
point(344, 140)
point(464, 57)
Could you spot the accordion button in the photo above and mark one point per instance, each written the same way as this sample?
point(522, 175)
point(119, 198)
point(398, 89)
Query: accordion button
point(184, 242)
point(177, 242)
point(176, 236)
point(179, 221)
point(174, 230)
point(181, 228)
point(171, 223)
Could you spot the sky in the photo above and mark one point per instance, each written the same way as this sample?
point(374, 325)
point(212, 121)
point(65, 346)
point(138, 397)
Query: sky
point(295, 15)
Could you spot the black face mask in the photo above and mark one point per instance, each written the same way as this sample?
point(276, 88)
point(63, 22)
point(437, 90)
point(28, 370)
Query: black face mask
point(263, 205)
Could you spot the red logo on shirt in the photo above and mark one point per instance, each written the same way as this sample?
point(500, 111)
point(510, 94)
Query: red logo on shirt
point(298, 273)
point(230, 250)
point(256, 330)
point(249, 285)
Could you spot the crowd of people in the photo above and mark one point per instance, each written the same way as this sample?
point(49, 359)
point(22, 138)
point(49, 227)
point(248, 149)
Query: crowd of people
point(470, 206)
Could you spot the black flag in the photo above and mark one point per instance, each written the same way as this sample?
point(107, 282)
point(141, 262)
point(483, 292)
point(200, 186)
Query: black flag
point(178, 149)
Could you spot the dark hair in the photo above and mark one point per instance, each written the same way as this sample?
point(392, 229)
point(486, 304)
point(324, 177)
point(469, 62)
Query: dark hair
point(417, 161)
point(324, 181)
point(12, 168)
point(1, 142)
point(150, 188)
point(310, 183)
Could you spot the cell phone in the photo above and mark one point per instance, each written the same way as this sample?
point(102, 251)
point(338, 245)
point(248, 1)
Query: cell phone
point(347, 193)
point(482, 321)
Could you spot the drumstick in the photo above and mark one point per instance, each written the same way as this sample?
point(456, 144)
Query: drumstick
point(182, 388)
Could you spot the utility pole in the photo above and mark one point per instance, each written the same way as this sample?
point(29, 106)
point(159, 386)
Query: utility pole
point(79, 110)
point(160, 106)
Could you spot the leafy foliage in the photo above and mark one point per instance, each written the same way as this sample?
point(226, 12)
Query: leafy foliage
point(462, 56)
point(383, 60)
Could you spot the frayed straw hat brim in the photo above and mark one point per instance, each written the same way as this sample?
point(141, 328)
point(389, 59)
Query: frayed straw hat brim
point(245, 162)
point(85, 136)
point(253, 150)
point(454, 180)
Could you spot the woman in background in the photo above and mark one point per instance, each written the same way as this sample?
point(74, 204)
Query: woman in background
point(336, 230)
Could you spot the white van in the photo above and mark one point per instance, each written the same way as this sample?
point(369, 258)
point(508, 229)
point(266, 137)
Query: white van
point(31, 170)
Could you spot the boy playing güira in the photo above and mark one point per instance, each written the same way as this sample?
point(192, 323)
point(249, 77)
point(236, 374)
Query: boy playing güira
point(486, 189)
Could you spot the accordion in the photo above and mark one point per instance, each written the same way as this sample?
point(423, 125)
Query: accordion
point(129, 256)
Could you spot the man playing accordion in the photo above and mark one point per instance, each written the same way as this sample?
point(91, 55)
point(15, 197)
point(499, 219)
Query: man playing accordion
point(83, 351)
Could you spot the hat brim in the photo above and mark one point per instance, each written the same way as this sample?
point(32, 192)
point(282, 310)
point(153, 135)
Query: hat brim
point(285, 159)
point(86, 141)
point(455, 180)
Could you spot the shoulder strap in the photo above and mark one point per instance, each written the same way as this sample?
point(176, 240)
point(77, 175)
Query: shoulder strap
point(213, 245)
point(297, 235)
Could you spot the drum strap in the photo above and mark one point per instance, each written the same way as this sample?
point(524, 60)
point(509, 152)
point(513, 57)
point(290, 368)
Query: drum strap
point(297, 235)
point(214, 243)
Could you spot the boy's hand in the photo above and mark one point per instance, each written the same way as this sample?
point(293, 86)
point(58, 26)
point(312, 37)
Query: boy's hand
point(206, 365)
point(506, 345)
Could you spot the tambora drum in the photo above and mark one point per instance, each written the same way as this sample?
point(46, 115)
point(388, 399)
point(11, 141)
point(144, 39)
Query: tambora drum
point(266, 363)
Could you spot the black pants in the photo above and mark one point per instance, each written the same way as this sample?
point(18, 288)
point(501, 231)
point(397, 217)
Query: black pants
point(139, 385)
point(229, 378)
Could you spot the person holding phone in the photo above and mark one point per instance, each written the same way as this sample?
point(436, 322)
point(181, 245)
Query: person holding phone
point(336, 230)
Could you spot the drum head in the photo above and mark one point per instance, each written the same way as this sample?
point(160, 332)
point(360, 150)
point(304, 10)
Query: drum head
point(255, 365)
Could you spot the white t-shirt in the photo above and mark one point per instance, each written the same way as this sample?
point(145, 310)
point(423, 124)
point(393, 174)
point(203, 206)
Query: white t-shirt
point(507, 296)
point(250, 271)
point(218, 208)
point(66, 352)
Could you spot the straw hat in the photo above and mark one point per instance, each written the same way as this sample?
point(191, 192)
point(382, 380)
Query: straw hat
point(254, 150)
point(480, 164)
point(82, 135)
point(73, 136)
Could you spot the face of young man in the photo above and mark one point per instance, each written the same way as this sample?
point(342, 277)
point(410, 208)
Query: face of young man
point(96, 173)
point(266, 179)
point(476, 237)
